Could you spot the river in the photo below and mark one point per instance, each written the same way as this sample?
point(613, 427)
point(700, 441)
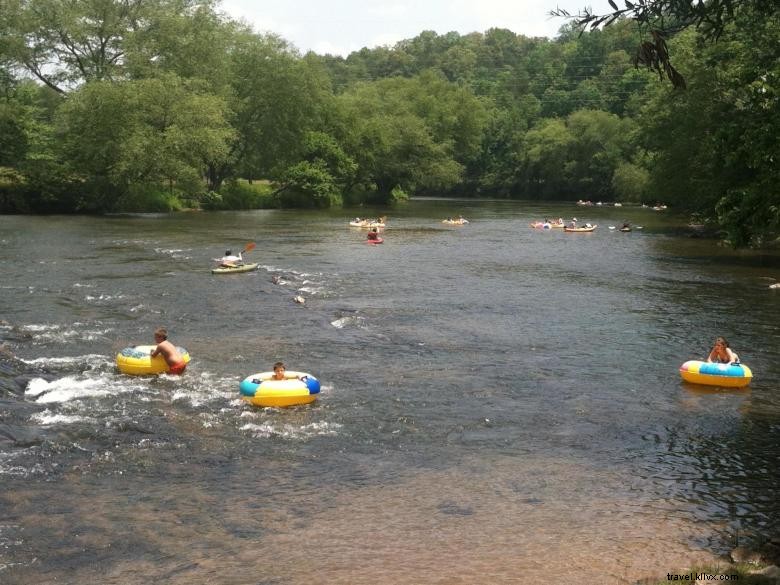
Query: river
point(500, 404)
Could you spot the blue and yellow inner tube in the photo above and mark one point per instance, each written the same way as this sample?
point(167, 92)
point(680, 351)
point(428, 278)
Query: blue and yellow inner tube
point(727, 375)
point(296, 388)
point(137, 361)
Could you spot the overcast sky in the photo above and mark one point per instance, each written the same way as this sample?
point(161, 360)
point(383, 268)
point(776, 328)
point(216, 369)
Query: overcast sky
point(340, 27)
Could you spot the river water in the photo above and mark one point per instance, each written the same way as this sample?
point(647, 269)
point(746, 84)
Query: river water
point(500, 404)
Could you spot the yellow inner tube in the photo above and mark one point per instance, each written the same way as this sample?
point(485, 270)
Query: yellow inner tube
point(137, 360)
point(261, 390)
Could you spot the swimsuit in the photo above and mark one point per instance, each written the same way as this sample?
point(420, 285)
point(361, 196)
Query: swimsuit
point(177, 368)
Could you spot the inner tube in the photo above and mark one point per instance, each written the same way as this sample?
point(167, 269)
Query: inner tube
point(375, 241)
point(137, 361)
point(734, 375)
point(296, 388)
point(580, 229)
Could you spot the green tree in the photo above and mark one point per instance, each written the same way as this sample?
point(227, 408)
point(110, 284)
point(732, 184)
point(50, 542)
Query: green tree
point(715, 146)
point(324, 175)
point(156, 132)
point(67, 42)
point(413, 133)
point(278, 98)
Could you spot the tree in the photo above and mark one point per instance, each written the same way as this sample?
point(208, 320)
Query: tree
point(277, 99)
point(154, 132)
point(325, 173)
point(715, 146)
point(416, 133)
point(658, 20)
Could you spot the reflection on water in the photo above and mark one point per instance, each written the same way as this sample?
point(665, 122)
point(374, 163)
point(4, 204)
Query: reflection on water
point(499, 404)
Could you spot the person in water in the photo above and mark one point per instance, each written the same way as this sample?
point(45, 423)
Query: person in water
point(721, 353)
point(279, 371)
point(169, 352)
point(231, 260)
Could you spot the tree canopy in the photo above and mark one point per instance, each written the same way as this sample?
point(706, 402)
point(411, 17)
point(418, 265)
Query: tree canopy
point(157, 104)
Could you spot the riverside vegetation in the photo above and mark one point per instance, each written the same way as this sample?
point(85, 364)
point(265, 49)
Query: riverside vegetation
point(167, 104)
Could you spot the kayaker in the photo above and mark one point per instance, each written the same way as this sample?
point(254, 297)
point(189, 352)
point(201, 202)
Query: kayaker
point(231, 260)
point(373, 235)
point(721, 353)
point(169, 352)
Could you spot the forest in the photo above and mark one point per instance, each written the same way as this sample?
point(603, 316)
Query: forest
point(161, 105)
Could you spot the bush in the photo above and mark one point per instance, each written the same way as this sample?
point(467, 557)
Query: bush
point(239, 194)
point(150, 198)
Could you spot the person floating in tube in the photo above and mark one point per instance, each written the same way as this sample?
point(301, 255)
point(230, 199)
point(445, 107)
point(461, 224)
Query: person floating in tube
point(721, 353)
point(169, 352)
point(373, 235)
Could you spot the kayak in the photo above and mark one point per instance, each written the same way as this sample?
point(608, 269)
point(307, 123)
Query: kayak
point(234, 269)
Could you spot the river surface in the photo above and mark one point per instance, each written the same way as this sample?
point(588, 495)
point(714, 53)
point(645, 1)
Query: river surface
point(500, 404)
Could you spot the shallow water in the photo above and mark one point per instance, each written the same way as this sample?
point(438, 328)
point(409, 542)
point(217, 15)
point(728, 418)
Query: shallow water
point(500, 404)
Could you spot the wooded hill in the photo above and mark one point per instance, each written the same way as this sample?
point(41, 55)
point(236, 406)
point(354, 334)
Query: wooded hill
point(163, 104)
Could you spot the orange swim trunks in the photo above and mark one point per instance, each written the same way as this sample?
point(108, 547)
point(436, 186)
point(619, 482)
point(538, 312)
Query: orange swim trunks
point(177, 368)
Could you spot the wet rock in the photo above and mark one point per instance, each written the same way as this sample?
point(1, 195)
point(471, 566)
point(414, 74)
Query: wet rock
point(743, 554)
point(770, 551)
point(771, 572)
point(21, 436)
point(299, 299)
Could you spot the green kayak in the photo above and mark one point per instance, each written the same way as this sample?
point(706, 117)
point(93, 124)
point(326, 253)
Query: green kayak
point(234, 269)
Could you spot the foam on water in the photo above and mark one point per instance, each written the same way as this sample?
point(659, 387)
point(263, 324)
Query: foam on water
point(8, 465)
point(62, 334)
point(103, 297)
point(51, 418)
point(90, 359)
point(177, 253)
point(288, 431)
point(351, 321)
point(71, 388)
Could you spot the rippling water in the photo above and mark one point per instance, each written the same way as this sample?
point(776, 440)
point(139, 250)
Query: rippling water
point(500, 404)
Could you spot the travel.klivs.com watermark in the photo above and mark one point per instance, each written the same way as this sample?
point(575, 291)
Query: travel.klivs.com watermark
point(701, 577)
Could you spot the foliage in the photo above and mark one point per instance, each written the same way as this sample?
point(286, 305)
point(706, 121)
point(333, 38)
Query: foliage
point(660, 19)
point(416, 133)
point(158, 104)
point(237, 194)
point(715, 146)
point(147, 132)
point(311, 184)
point(13, 138)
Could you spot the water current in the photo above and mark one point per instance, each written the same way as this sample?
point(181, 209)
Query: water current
point(500, 404)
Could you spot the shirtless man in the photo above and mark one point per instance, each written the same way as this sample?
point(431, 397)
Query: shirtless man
point(169, 352)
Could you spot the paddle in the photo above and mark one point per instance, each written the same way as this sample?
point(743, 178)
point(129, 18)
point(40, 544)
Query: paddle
point(248, 248)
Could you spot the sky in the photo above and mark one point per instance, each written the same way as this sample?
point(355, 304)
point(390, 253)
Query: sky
point(340, 27)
